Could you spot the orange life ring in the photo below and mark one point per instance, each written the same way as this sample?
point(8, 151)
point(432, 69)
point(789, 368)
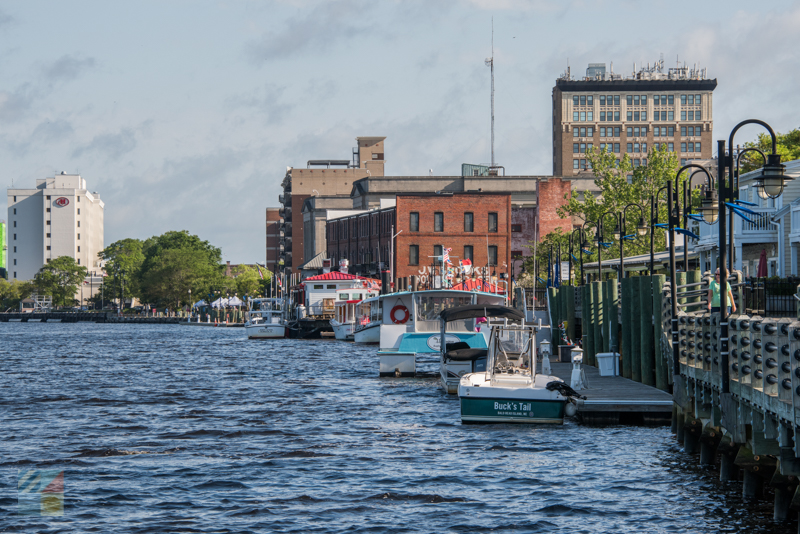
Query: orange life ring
point(402, 309)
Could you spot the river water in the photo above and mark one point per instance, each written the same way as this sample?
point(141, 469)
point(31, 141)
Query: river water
point(165, 428)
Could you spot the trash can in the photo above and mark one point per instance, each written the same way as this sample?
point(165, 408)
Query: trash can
point(565, 353)
point(608, 363)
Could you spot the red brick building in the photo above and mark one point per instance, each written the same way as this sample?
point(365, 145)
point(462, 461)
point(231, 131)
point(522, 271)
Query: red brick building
point(475, 225)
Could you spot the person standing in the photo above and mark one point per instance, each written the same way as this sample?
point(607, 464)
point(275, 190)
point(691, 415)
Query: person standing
point(713, 295)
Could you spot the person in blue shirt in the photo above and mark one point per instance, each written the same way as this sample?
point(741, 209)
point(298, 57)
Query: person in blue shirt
point(713, 295)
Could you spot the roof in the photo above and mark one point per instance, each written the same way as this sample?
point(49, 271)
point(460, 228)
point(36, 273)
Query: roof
point(636, 85)
point(315, 262)
point(480, 310)
point(338, 276)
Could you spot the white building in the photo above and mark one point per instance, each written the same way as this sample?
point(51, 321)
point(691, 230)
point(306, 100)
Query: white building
point(60, 217)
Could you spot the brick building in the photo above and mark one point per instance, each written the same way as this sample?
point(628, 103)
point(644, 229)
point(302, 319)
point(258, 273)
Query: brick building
point(273, 238)
point(631, 115)
point(475, 225)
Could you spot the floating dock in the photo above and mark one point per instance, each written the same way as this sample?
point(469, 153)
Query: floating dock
point(614, 400)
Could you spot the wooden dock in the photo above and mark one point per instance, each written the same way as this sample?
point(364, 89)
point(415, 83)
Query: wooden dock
point(617, 400)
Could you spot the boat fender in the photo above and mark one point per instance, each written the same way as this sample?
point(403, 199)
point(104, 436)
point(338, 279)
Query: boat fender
point(570, 410)
point(402, 309)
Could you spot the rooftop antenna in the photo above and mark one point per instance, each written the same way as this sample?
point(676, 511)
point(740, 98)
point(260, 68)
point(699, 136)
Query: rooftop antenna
point(490, 63)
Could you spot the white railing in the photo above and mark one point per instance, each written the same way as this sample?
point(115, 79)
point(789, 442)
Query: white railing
point(761, 222)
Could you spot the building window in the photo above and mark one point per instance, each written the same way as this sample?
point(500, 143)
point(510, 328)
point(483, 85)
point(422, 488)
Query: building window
point(15, 274)
point(48, 197)
point(79, 199)
point(15, 259)
point(575, 132)
point(616, 131)
point(48, 223)
point(79, 249)
point(602, 116)
point(79, 224)
point(671, 100)
point(683, 147)
point(629, 148)
point(438, 221)
point(15, 210)
point(468, 252)
point(492, 255)
point(493, 222)
point(671, 147)
point(590, 100)
point(575, 116)
point(413, 255)
point(413, 221)
point(629, 100)
point(79, 237)
point(15, 249)
point(15, 224)
point(697, 147)
point(15, 237)
point(630, 115)
point(575, 148)
point(683, 115)
point(79, 211)
point(576, 163)
point(616, 116)
point(590, 115)
point(583, 116)
point(468, 222)
point(574, 100)
point(437, 252)
point(516, 228)
point(616, 148)
point(48, 247)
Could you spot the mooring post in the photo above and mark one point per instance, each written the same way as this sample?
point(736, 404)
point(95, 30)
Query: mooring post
point(691, 441)
point(681, 421)
point(752, 485)
point(636, 338)
point(587, 310)
point(661, 367)
point(570, 311)
point(597, 297)
point(674, 422)
point(707, 453)
point(606, 316)
point(646, 330)
point(783, 500)
point(613, 316)
point(728, 471)
point(627, 329)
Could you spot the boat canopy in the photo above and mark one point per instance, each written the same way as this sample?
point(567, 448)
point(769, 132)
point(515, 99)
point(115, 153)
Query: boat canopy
point(473, 311)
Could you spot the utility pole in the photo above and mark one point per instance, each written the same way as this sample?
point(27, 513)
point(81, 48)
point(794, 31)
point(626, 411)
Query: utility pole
point(490, 63)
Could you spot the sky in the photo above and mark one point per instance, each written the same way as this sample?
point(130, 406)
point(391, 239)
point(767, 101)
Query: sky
point(183, 115)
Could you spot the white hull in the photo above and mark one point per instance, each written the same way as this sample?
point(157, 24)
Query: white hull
point(371, 335)
point(343, 332)
point(265, 331)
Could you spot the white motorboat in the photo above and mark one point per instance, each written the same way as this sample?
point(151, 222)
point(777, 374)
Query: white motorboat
point(345, 317)
point(264, 319)
point(510, 390)
point(369, 316)
point(410, 326)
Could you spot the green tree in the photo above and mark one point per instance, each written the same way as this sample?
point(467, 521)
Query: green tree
point(123, 263)
point(548, 248)
point(247, 281)
point(176, 262)
point(11, 292)
point(61, 279)
point(788, 147)
point(622, 184)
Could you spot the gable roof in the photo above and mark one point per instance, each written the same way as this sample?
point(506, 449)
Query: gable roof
point(315, 262)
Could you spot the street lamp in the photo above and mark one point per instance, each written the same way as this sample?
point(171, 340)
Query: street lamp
point(599, 240)
point(619, 234)
point(772, 180)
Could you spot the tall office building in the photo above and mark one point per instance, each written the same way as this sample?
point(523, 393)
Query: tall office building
point(59, 217)
point(631, 115)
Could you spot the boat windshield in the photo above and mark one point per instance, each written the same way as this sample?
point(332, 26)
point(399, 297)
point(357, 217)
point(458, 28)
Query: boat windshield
point(429, 307)
point(513, 349)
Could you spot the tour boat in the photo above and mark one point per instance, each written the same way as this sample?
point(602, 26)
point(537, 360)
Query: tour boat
point(369, 316)
point(510, 390)
point(410, 326)
point(264, 319)
point(344, 317)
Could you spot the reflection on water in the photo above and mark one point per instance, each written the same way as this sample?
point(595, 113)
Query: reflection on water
point(166, 428)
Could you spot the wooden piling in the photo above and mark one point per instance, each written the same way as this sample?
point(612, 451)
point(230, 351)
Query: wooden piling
point(646, 332)
point(597, 298)
point(661, 370)
point(636, 338)
point(613, 315)
point(627, 330)
point(587, 323)
point(606, 328)
point(569, 297)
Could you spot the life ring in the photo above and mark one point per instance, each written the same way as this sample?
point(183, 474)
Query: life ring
point(402, 309)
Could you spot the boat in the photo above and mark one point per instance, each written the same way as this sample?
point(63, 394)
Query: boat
point(510, 390)
point(410, 326)
point(459, 358)
point(369, 316)
point(264, 319)
point(344, 317)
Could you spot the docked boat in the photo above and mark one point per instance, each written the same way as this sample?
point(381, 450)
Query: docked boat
point(345, 316)
point(510, 390)
point(264, 319)
point(369, 316)
point(459, 358)
point(410, 326)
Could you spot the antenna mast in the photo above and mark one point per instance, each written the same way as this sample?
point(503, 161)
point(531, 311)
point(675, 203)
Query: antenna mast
point(490, 63)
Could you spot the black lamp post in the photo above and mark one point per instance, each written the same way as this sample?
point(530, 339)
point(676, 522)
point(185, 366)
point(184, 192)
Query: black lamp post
point(710, 205)
point(619, 233)
point(598, 237)
point(580, 245)
point(770, 183)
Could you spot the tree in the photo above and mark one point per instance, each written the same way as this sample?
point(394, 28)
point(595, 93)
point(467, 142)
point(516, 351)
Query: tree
point(247, 281)
point(11, 292)
point(123, 263)
point(788, 147)
point(547, 249)
point(622, 184)
point(176, 262)
point(60, 279)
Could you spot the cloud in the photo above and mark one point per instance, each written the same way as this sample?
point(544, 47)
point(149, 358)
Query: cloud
point(67, 68)
point(318, 31)
point(110, 145)
point(268, 100)
point(5, 19)
point(15, 105)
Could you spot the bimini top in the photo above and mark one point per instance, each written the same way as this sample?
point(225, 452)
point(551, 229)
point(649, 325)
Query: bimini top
point(480, 310)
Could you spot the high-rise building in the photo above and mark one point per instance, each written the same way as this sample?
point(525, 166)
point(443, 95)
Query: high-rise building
point(631, 115)
point(59, 217)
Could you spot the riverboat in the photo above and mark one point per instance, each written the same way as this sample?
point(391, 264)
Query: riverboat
point(369, 316)
point(264, 319)
point(410, 326)
point(345, 316)
point(510, 390)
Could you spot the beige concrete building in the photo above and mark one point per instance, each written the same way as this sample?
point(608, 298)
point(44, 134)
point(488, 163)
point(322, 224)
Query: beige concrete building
point(59, 217)
point(631, 115)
